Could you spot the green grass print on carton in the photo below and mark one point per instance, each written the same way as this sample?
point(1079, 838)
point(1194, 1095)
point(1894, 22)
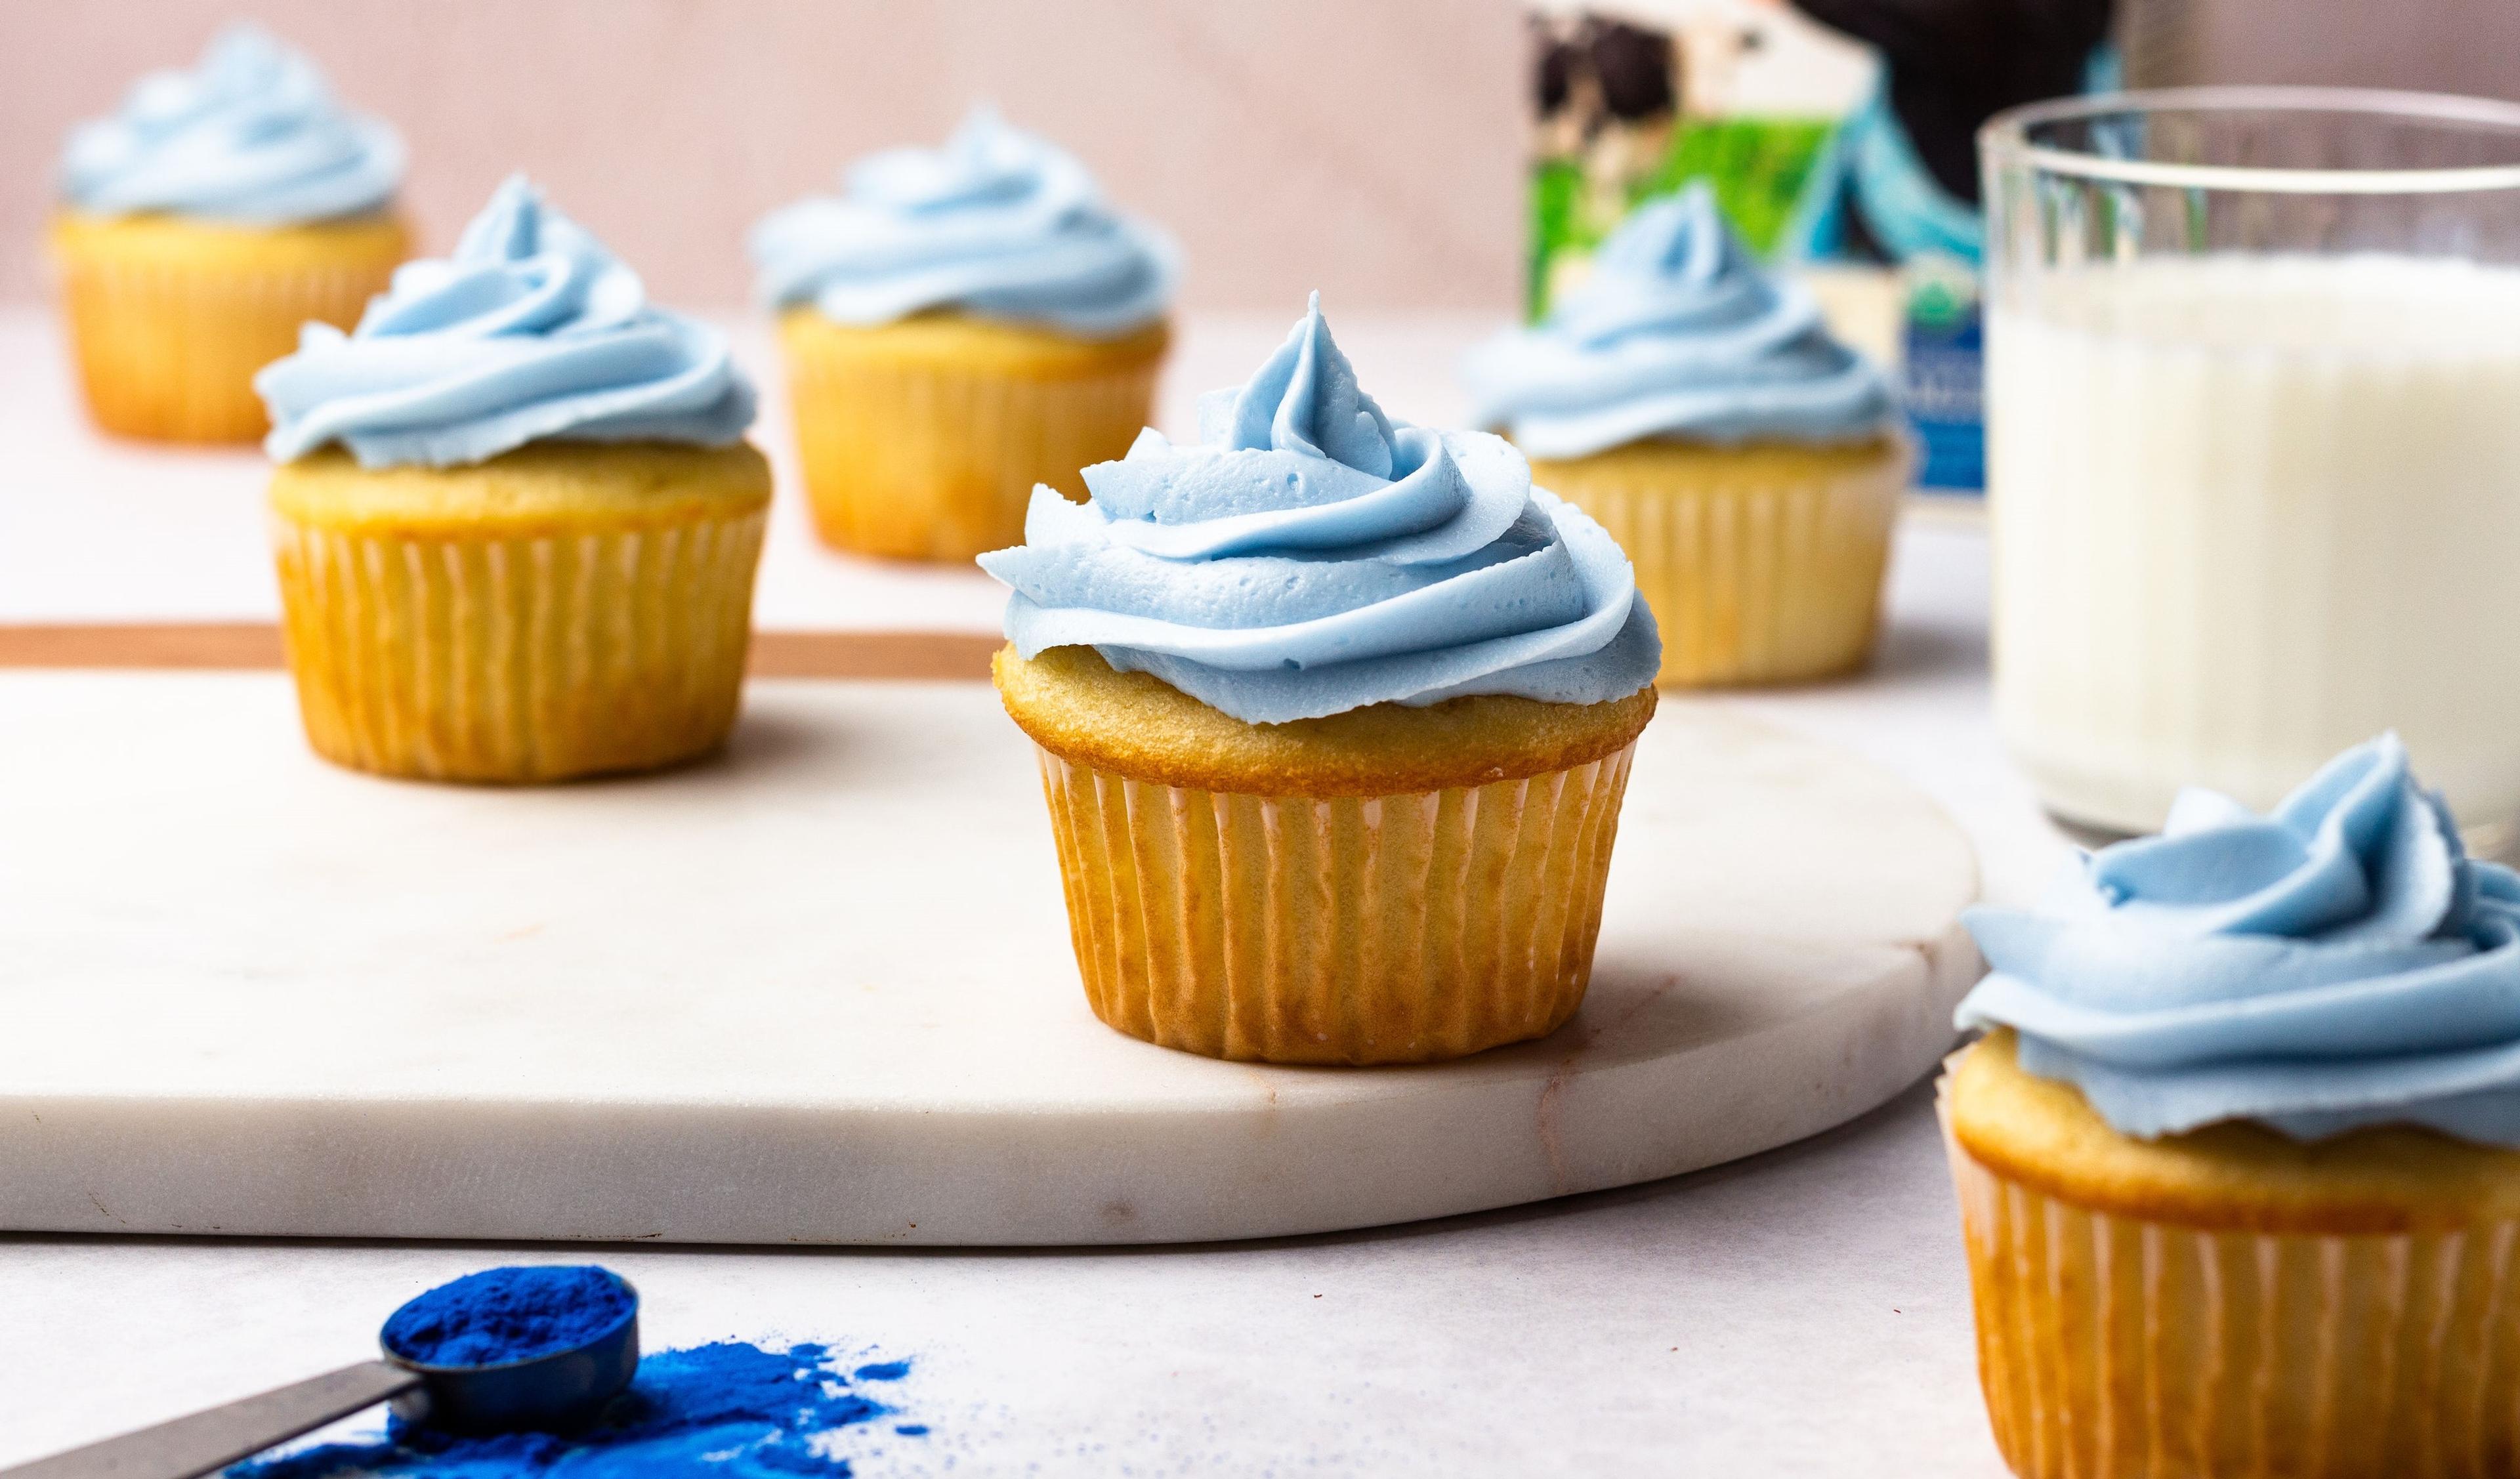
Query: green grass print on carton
point(1757, 165)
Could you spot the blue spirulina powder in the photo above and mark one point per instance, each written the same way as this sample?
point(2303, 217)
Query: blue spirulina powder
point(729, 1410)
point(504, 1315)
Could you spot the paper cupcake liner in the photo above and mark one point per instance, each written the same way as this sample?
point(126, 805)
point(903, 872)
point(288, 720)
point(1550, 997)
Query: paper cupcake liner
point(519, 659)
point(168, 351)
point(1289, 929)
point(2113, 1345)
point(927, 461)
point(1754, 575)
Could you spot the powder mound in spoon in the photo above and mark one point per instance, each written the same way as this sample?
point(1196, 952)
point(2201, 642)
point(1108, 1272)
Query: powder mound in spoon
point(505, 1314)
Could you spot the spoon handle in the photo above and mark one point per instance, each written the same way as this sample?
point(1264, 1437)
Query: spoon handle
point(210, 1440)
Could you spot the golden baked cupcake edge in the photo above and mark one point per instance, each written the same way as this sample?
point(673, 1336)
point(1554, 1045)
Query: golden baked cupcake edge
point(1334, 717)
point(192, 241)
point(959, 326)
point(1748, 463)
point(2238, 1159)
point(523, 558)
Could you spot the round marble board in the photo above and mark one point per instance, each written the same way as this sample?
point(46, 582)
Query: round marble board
point(819, 990)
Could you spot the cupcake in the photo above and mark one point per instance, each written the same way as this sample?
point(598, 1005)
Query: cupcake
point(517, 520)
point(1748, 463)
point(961, 325)
point(198, 227)
point(1335, 716)
point(2239, 1159)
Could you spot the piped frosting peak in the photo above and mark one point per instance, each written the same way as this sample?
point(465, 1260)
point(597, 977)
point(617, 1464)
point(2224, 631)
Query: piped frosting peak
point(251, 135)
point(2339, 963)
point(998, 223)
point(530, 330)
point(1310, 554)
point(1677, 334)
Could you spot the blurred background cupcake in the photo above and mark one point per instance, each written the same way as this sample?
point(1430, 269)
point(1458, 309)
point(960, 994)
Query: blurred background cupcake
point(517, 519)
point(960, 325)
point(197, 227)
point(1748, 461)
point(2239, 1163)
point(1336, 715)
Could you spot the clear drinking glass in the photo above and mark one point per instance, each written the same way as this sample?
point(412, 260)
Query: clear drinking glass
point(2253, 406)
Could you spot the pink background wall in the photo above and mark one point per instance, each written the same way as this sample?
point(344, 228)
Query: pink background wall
point(1369, 148)
point(2455, 45)
point(1372, 150)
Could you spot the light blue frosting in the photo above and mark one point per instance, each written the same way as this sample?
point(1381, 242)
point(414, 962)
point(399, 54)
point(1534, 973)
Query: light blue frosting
point(251, 134)
point(2340, 962)
point(531, 330)
point(1312, 556)
point(1677, 334)
point(998, 223)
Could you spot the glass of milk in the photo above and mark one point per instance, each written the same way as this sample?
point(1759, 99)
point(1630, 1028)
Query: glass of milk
point(2253, 380)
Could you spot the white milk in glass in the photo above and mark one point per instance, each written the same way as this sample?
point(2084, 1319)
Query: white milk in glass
point(2251, 510)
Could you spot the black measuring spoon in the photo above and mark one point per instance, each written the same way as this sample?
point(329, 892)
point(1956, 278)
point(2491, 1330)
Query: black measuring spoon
point(550, 1391)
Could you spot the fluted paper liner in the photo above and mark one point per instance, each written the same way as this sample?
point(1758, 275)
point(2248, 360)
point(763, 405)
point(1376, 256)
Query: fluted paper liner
point(2113, 1345)
point(1755, 577)
point(169, 352)
point(930, 462)
point(1294, 929)
point(519, 659)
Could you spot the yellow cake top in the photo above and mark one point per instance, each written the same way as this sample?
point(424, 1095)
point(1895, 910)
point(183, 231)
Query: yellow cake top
point(2235, 1175)
point(947, 339)
point(161, 240)
point(1756, 463)
point(1076, 706)
point(541, 488)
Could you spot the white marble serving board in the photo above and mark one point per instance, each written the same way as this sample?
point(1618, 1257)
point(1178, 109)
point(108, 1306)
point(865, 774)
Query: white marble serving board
point(819, 990)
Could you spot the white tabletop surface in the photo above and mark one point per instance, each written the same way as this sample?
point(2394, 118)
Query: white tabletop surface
point(1804, 1312)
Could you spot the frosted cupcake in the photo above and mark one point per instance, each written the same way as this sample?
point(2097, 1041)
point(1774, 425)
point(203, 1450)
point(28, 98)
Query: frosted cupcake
point(515, 517)
point(201, 224)
point(2239, 1163)
point(1748, 463)
point(961, 324)
point(1335, 716)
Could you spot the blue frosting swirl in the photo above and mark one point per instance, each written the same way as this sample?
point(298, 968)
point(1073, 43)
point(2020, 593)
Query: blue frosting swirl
point(2339, 963)
point(531, 330)
point(1677, 334)
point(251, 134)
point(998, 223)
point(1312, 556)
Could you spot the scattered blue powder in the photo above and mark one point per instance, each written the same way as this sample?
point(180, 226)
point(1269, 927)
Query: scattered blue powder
point(504, 1315)
point(730, 1410)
